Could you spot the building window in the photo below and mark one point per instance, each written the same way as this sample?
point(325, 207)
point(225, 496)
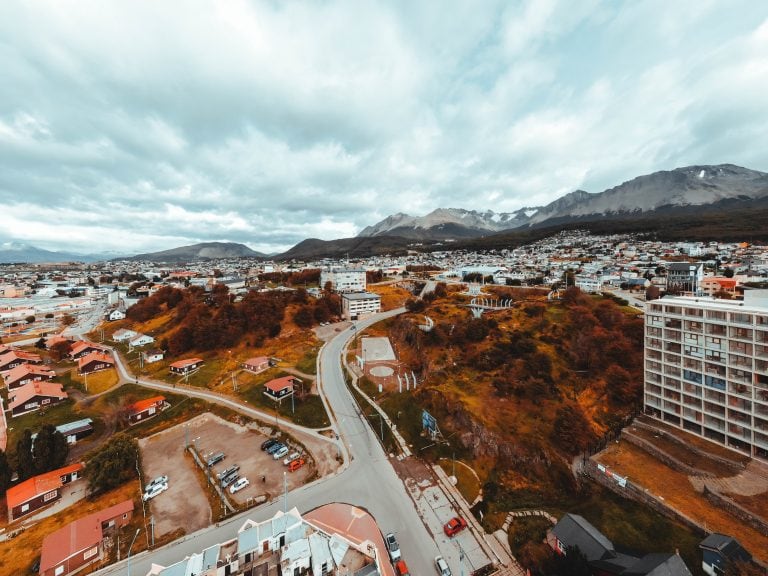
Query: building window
point(24, 507)
point(91, 553)
point(50, 496)
point(59, 571)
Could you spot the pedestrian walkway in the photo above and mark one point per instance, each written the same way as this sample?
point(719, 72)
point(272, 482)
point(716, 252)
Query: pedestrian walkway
point(491, 546)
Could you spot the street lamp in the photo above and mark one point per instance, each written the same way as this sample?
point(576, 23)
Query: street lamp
point(129, 550)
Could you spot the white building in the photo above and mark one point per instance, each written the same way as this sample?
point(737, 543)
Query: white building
point(344, 280)
point(587, 284)
point(358, 304)
point(706, 368)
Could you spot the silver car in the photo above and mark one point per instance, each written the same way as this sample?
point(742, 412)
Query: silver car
point(442, 566)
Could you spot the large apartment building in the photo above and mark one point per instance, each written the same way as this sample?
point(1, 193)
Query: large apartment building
point(344, 280)
point(706, 368)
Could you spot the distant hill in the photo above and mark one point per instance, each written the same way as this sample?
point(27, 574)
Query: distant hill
point(17, 252)
point(313, 248)
point(202, 251)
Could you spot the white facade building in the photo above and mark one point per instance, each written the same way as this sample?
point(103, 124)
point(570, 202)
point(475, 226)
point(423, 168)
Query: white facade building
point(344, 280)
point(706, 368)
point(587, 284)
point(356, 305)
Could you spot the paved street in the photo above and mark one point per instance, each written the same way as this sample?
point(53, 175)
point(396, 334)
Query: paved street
point(367, 480)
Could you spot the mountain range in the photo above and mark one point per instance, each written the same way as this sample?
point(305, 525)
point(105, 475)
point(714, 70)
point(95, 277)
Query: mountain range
point(692, 189)
point(18, 252)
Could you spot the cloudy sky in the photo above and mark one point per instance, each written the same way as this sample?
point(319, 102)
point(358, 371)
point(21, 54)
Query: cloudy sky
point(136, 125)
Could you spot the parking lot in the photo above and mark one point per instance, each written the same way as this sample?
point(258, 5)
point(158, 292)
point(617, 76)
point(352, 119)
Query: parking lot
point(163, 453)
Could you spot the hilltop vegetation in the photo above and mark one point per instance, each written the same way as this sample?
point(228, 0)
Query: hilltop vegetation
point(195, 320)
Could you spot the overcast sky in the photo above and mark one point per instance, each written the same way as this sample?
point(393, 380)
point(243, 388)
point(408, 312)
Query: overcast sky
point(133, 125)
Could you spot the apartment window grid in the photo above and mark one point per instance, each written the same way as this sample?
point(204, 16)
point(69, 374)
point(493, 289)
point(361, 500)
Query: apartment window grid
point(706, 371)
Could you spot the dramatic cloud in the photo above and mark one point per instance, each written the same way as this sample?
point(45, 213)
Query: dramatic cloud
point(144, 125)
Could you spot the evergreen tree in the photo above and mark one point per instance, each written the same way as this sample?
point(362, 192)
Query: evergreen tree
point(25, 464)
point(113, 464)
point(5, 473)
point(50, 450)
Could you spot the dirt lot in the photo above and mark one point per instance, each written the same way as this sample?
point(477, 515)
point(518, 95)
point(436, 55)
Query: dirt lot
point(163, 453)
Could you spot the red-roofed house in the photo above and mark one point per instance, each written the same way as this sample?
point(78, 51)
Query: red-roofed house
point(55, 339)
point(26, 373)
point(94, 362)
point(712, 284)
point(34, 396)
point(256, 365)
point(12, 358)
point(79, 543)
point(39, 491)
point(280, 388)
point(83, 348)
point(145, 409)
point(186, 366)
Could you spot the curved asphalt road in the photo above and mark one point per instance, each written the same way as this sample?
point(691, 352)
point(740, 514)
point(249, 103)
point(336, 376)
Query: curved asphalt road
point(367, 479)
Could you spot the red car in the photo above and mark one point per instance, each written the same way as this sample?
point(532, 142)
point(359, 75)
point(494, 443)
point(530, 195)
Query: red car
point(454, 526)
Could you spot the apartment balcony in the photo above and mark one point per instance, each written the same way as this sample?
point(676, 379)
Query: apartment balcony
point(692, 376)
point(715, 396)
point(739, 418)
point(743, 348)
point(672, 383)
point(671, 358)
point(741, 318)
point(694, 312)
point(737, 431)
point(694, 327)
point(652, 401)
point(741, 389)
point(761, 337)
point(715, 330)
point(714, 382)
point(760, 425)
point(740, 376)
point(714, 409)
point(673, 335)
point(741, 334)
point(712, 356)
point(671, 407)
point(740, 362)
point(717, 316)
point(761, 440)
point(672, 347)
point(653, 355)
point(651, 365)
point(655, 343)
point(693, 415)
point(739, 404)
point(714, 423)
point(672, 371)
point(692, 390)
point(692, 401)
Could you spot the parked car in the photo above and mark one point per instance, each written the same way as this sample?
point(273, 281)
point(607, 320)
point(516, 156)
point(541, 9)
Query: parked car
point(227, 480)
point(228, 471)
point(239, 485)
point(442, 566)
point(296, 464)
point(280, 453)
point(290, 458)
point(215, 458)
point(392, 547)
point(154, 491)
point(268, 443)
point(275, 447)
point(401, 568)
point(454, 526)
point(159, 480)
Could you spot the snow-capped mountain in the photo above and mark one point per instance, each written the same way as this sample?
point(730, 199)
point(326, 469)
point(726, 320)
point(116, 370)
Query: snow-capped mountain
point(689, 189)
point(445, 223)
point(692, 188)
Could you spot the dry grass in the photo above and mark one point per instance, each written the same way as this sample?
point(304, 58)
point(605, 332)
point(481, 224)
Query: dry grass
point(392, 295)
point(677, 492)
point(682, 453)
point(758, 504)
point(17, 555)
point(706, 445)
point(97, 382)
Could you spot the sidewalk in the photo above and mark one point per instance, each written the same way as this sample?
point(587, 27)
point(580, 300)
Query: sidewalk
point(491, 545)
